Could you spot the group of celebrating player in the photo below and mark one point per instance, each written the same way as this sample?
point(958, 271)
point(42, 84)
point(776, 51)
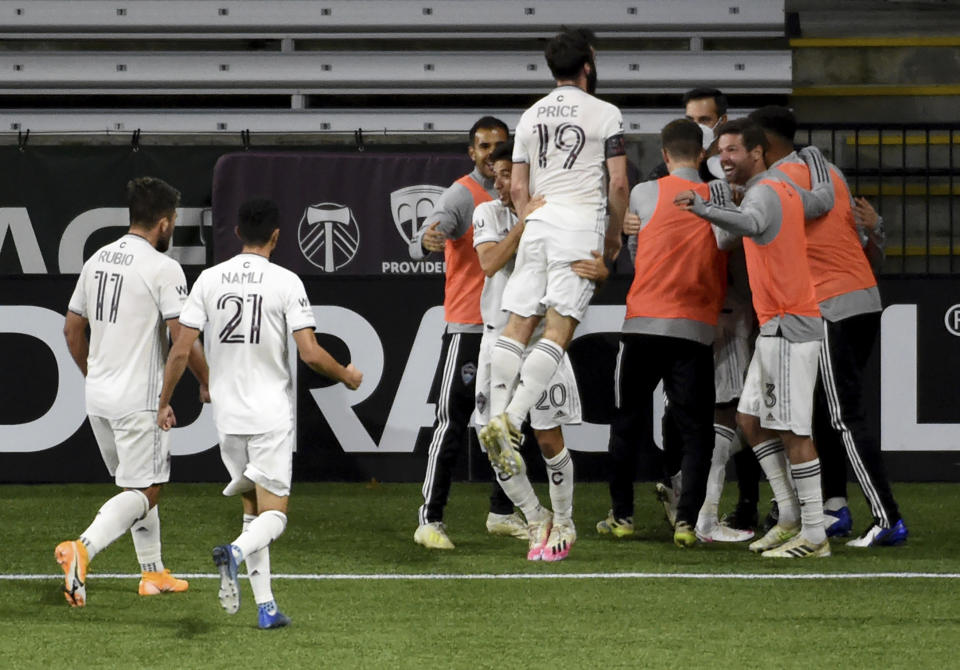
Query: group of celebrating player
point(521, 270)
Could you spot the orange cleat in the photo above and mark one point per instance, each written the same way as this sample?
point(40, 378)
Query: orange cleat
point(72, 557)
point(155, 583)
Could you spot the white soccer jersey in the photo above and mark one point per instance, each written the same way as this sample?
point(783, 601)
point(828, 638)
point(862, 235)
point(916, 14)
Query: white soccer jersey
point(491, 223)
point(563, 138)
point(250, 306)
point(127, 290)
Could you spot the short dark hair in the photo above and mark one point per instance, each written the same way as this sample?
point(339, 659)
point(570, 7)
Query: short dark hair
point(719, 99)
point(150, 199)
point(256, 220)
point(585, 33)
point(503, 152)
point(752, 133)
point(487, 123)
point(682, 139)
point(567, 52)
point(776, 119)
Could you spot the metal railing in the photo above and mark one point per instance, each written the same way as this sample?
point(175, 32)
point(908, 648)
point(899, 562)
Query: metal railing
point(910, 173)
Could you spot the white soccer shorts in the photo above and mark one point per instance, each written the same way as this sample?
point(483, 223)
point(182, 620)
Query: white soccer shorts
point(731, 357)
point(265, 459)
point(134, 449)
point(542, 277)
point(780, 382)
point(559, 405)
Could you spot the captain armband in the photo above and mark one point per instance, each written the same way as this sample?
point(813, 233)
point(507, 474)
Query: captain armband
point(614, 146)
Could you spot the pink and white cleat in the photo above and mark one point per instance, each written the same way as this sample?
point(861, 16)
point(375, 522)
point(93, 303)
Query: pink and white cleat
point(562, 537)
point(539, 534)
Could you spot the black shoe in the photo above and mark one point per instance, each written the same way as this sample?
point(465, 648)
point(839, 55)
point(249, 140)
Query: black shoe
point(773, 516)
point(743, 517)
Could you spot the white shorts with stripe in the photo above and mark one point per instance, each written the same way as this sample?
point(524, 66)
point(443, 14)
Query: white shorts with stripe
point(542, 277)
point(731, 357)
point(780, 382)
point(558, 405)
point(265, 459)
point(134, 449)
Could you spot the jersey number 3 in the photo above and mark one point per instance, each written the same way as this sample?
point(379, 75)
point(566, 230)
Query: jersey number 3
point(570, 138)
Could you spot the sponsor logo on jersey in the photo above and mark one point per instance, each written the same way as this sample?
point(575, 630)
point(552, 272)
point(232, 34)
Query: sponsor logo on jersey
point(410, 207)
point(328, 235)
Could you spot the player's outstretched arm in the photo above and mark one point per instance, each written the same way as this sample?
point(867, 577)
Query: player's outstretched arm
point(176, 364)
point(320, 361)
point(75, 332)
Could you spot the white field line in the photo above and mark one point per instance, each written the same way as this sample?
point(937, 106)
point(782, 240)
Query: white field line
point(522, 576)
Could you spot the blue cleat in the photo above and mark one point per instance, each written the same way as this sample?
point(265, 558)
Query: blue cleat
point(226, 562)
point(882, 537)
point(838, 523)
point(269, 616)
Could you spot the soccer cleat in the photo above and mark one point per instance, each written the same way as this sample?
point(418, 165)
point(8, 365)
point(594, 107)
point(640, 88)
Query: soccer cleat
point(875, 536)
point(226, 563)
point(562, 537)
point(683, 535)
point(668, 497)
point(154, 583)
point(722, 533)
point(622, 527)
point(268, 616)
point(743, 517)
point(72, 557)
point(433, 535)
point(799, 547)
point(508, 525)
point(502, 441)
point(539, 534)
point(774, 537)
point(837, 523)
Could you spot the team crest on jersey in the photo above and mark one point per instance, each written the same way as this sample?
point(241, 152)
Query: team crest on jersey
point(468, 372)
point(328, 235)
point(411, 206)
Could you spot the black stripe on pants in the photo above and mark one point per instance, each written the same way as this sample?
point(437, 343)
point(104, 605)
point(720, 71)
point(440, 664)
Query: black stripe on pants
point(840, 424)
point(453, 391)
point(686, 368)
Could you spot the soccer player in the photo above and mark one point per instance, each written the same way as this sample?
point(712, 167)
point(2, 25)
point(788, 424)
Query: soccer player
point(672, 309)
point(562, 145)
point(449, 230)
point(251, 306)
point(850, 304)
point(496, 235)
point(775, 410)
point(129, 294)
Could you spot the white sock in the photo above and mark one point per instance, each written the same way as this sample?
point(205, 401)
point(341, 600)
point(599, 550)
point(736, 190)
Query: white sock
point(535, 374)
point(807, 478)
point(738, 444)
point(146, 541)
point(834, 504)
point(520, 491)
point(773, 461)
point(113, 520)
point(560, 476)
point(676, 481)
point(258, 568)
point(505, 360)
point(259, 533)
point(722, 439)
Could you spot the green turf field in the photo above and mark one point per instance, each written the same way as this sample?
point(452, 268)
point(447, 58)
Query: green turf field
point(643, 620)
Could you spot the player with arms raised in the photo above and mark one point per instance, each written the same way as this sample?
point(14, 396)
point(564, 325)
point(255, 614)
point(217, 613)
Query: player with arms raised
point(250, 307)
point(562, 145)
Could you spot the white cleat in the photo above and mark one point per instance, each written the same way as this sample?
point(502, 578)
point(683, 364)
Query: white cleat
point(562, 537)
point(799, 547)
point(718, 532)
point(774, 537)
point(539, 532)
point(502, 441)
point(433, 536)
point(508, 525)
point(668, 498)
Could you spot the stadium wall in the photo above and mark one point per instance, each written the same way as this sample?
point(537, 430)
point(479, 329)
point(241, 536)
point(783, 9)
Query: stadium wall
point(58, 204)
